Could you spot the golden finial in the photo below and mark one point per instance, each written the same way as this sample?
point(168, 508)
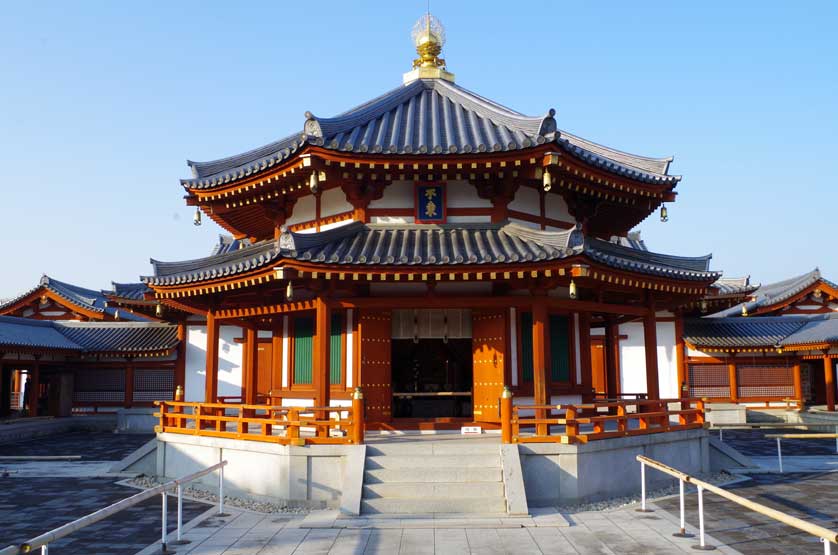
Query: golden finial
point(429, 38)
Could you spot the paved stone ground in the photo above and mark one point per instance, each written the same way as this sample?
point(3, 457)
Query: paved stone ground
point(32, 506)
point(606, 533)
point(96, 446)
point(754, 443)
point(812, 497)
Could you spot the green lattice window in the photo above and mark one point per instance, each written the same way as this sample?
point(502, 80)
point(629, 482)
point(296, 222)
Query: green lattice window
point(335, 348)
point(303, 349)
point(559, 348)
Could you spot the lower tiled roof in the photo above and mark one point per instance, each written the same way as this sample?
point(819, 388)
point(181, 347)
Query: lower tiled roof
point(87, 337)
point(733, 333)
point(358, 244)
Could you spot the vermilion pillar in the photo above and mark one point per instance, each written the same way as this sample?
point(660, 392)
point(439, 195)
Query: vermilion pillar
point(829, 378)
point(733, 381)
point(211, 383)
point(650, 338)
point(251, 363)
point(798, 383)
point(321, 354)
point(585, 356)
point(540, 356)
point(612, 358)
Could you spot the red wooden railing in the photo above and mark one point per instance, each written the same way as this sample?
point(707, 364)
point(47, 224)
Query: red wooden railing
point(598, 420)
point(266, 423)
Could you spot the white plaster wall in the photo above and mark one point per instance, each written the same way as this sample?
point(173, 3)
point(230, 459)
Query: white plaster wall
point(304, 211)
point(333, 201)
point(399, 194)
point(462, 194)
point(468, 219)
point(633, 359)
point(525, 223)
point(555, 207)
point(391, 219)
point(324, 227)
point(526, 200)
point(229, 362)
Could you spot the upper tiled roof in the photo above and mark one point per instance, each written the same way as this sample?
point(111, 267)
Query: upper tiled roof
point(428, 116)
point(430, 245)
point(94, 301)
point(87, 337)
point(817, 330)
point(740, 333)
point(774, 293)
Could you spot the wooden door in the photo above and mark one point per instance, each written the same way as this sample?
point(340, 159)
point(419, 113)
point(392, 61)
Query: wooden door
point(488, 329)
point(375, 330)
point(264, 369)
point(598, 379)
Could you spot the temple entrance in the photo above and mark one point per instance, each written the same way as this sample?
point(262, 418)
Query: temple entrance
point(432, 367)
point(432, 378)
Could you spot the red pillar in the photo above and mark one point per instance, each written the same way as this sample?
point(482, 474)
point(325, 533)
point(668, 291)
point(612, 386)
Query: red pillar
point(798, 383)
point(585, 356)
point(321, 354)
point(733, 380)
point(211, 383)
point(650, 337)
point(829, 378)
point(251, 362)
point(612, 358)
point(180, 362)
point(540, 356)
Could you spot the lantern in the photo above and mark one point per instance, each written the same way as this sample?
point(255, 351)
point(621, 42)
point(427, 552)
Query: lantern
point(664, 213)
point(197, 218)
point(547, 180)
point(572, 289)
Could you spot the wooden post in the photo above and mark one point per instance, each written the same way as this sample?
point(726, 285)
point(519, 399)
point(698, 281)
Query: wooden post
point(612, 359)
point(650, 338)
point(320, 378)
point(128, 399)
point(506, 415)
point(34, 388)
point(251, 362)
point(829, 378)
point(680, 356)
point(585, 356)
point(733, 381)
point(798, 384)
point(180, 362)
point(540, 356)
point(358, 416)
point(211, 382)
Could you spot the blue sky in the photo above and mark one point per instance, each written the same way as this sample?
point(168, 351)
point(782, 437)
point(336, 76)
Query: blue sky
point(101, 103)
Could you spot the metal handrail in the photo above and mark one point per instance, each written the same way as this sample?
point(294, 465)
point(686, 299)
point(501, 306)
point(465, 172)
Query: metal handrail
point(46, 538)
point(825, 534)
point(780, 437)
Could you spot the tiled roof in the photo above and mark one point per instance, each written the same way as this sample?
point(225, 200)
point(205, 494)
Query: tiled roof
point(227, 243)
point(87, 337)
point(116, 337)
point(94, 301)
point(818, 330)
point(34, 334)
point(732, 333)
point(775, 293)
point(428, 116)
point(732, 287)
point(129, 291)
point(430, 245)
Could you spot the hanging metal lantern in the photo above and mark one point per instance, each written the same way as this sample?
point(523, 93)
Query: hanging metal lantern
point(289, 292)
point(744, 310)
point(703, 306)
point(158, 310)
point(664, 213)
point(572, 289)
point(197, 218)
point(547, 180)
point(312, 182)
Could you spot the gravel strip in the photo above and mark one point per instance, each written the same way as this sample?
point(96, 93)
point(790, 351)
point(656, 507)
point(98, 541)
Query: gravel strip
point(620, 502)
point(250, 504)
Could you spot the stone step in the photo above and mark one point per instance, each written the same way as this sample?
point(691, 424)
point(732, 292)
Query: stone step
point(460, 448)
point(436, 490)
point(435, 475)
point(435, 461)
point(426, 506)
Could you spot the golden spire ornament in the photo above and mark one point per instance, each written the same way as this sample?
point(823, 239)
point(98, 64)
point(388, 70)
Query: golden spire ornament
point(428, 37)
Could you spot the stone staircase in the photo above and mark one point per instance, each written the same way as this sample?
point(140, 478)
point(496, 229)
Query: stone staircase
point(426, 476)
